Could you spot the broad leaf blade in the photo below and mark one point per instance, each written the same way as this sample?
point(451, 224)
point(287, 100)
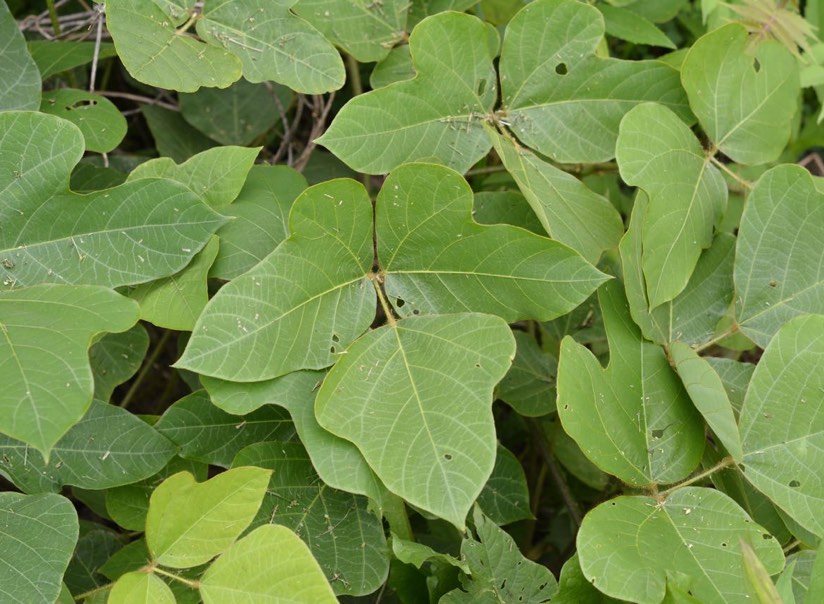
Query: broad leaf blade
point(115, 358)
point(529, 385)
point(141, 588)
point(100, 121)
point(505, 496)
point(19, 77)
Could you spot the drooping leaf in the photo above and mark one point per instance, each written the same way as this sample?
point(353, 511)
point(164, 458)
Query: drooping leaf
point(560, 98)
point(437, 116)
point(436, 259)
point(55, 56)
point(743, 92)
point(36, 542)
point(45, 335)
point(189, 523)
point(529, 385)
point(303, 303)
point(620, 545)
point(126, 235)
point(568, 210)
point(778, 253)
point(19, 77)
point(115, 358)
point(139, 588)
point(290, 572)
point(782, 422)
point(657, 152)
point(109, 447)
point(100, 121)
point(345, 538)
point(391, 389)
point(505, 496)
point(634, 418)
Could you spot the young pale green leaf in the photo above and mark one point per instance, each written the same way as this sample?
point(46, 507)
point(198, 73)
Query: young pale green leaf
point(778, 253)
point(365, 30)
point(416, 554)
point(273, 44)
point(190, 523)
point(620, 546)
point(395, 67)
point(782, 422)
point(56, 56)
point(154, 47)
point(560, 98)
point(19, 77)
point(437, 116)
point(568, 210)
point(115, 358)
point(657, 152)
point(427, 433)
point(632, 419)
point(529, 385)
point(176, 302)
point(707, 393)
point(303, 303)
point(261, 214)
point(505, 496)
point(744, 92)
point(122, 236)
point(627, 25)
point(345, 538)
point(141, 588)
point(100, 121)
point(36, 543)
point(45, 335)
point(109, 447)
point(270, 564)
point(208, 434)
point(436, 259)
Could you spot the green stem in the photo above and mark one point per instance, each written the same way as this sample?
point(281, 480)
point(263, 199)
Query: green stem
point(746, 184)
point(722, 336)
point(92, 592)
point(387, 309)
point(147, 367)
point(189, 582)
point(353, 69)
point(394, 510)
point(724, 463)
point(53, 16)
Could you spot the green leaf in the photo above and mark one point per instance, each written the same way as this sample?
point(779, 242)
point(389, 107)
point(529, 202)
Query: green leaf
point(345, 538)
point(437, 116)
point(155, 50)
point(45, 335)
point(417, 554)
point(421, 9)
point(659, 153)
point(126, 235)
point(303, 303)
point(189, 523)
point(560, 98)
point(207, 434)
point(735, 377)
point(436, 259)
point(176, 302)
point(529, 385)
point(19, 76)
point(139, 588)
point(95, 546)
point(291, 572)
point(758, 580)
point(36, 542)
point(273, 44)
point(506, 207)
point(390, 389)
point(505, 496)
point(778, 253)
point(632, 419)
point(100, 121)
point(56, 56)
point(630, 26)
point(365, 30)
point(782, 422)
point(571, 457)
point(115, 358)
point(743, 92)
point(573, 587)
point(109, 447)
point(620, 545)
point(707, 393)
point(260, 212)
point(173, 135)
point(395, 67)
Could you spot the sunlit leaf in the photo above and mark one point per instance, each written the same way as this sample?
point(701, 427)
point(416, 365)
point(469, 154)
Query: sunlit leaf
point(140, 588)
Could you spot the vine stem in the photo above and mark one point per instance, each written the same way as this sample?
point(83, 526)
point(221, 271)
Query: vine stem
point(165, 573)
point(723, 335)
point(92, 592)
point(353, 69)
point(723, 167)
point(387, 309)
point(147, 367)
point(556, 475)
point(53, 16)
point(724, 463)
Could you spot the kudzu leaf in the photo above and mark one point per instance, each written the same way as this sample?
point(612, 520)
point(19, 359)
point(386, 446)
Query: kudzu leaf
point(657, 152)
point(365, 30)
point(210, 435)
point(505, 496)
point(529, 385)
point(115, 358)
point(95, 545)
point(436, 259)
point(56, 56)
point(395, 67)
point(505, 207)
point(300, 306)
point(45, 335)
point(345, 538)
point(569, 454)
point(437, 116)
point(632, 419)
point(109, 447)
point(130, 234)
point(427, 433)
point(743, 91)
point(657, 11)
point(568, 210)
point(416, 554)
point(36, 543)
point(573, 587)
point(273, 44)
point(782, 421)
point(561, 99)
point(620, 544)
point(174, 137)
point(778, 253)
point(140, 587)
point(100, 121)
point(421, 9)
point(627, 25)
point(289, 572)
point(155, 49)
point(19, 77)
point(189, 523)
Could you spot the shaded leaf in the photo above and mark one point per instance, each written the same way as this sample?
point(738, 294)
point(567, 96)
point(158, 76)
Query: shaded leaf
point(529, 385)
point(100, 121)
point(395, 67)
point(56, 56)
point(630, 26)
point(173, 135)
point(574, 588)
point(505, 496)
point(115, 358)
point(505, 207)
point(93, 549)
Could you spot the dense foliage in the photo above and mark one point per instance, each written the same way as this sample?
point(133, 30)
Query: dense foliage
point(305, 301)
